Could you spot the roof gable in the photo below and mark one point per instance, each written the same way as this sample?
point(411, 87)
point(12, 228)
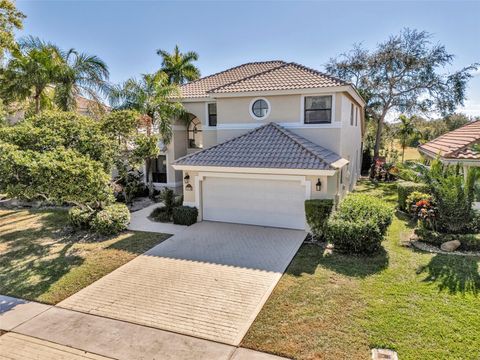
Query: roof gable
point(269, 146)
point(200, 87)
point(284, 77)
point(454, 144)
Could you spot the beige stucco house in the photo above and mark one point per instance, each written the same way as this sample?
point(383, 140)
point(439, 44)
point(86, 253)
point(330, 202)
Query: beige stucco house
point(263, 138)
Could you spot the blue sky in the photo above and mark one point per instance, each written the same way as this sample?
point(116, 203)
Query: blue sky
point(126, 34)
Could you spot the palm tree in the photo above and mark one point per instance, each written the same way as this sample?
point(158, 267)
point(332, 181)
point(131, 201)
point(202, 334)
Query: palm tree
point(30, 72)
point(81, 74)
point(405, 130)
point(179, 66)
point(152, 96)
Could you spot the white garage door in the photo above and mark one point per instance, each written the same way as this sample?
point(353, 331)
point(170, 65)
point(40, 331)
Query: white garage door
point(269, 202)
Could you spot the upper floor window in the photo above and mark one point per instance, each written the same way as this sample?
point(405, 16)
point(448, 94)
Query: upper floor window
point(356, 116)
point(352, 109)
point(260, 108)
point(212, 114)
point(318, 110)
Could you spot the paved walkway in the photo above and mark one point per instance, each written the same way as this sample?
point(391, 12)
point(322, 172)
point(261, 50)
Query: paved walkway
point(208, 281)
point(43, 332)
point(140, 222)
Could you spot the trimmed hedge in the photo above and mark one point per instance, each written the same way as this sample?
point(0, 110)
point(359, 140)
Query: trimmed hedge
point(361, 207)
point(111, 220)
point(317, 212)
point(359, 225)
point(185, 215)
point(405, 188)
point(161, 214)
point(357, 237)
point(80, 218)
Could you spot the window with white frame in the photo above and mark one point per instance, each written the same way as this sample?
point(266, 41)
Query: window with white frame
point(212, 114)
point(260, 109)
point(356, 115)
point(318, 109)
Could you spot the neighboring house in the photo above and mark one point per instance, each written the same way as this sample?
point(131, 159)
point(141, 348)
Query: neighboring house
point(263, 137)
point(455, 147)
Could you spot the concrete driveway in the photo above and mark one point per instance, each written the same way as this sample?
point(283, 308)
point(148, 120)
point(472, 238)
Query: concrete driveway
point(208, 281)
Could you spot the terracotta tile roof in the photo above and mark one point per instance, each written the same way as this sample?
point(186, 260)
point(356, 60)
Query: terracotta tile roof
point(455, 144)
point(268, 146)
point(284, 77)
point(200, 87)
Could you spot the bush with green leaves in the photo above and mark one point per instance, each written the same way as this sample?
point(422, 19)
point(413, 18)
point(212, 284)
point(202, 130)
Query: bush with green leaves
point(362, 207)
point(414, 198)
point(161, 214)
point(354, 237)
point(111, 220)
point(185, 215)
point(453, 193)
point(405, 188)
point(359, 225)
point(469, 242)
point(317, 212)
point(80, 217)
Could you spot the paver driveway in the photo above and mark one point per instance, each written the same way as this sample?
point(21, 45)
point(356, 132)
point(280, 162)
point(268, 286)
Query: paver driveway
point(209, 281)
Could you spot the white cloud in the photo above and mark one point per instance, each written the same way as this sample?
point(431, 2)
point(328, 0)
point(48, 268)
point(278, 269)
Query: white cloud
point(471, 108)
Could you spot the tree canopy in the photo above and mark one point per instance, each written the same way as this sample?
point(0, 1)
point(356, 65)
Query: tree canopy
point(10, 19)
point(406, 73)
point(179, 66)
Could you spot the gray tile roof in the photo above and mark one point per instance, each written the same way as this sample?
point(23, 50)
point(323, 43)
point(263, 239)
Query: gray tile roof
point(269, 146)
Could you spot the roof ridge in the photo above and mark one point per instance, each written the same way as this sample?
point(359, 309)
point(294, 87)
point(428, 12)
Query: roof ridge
point(249, 77)
point(317, 72)
point(232, 68)
point(294, 137)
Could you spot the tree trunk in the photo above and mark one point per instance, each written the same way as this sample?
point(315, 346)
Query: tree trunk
point(37, 104)
point(150, 177)
point(403, 154)
point(378, 137)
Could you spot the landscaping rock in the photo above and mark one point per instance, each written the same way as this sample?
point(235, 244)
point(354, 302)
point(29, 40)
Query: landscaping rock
point(384, 354)
point(450, 246)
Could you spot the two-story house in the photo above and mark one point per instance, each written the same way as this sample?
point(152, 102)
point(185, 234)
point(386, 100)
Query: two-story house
point(263, 137)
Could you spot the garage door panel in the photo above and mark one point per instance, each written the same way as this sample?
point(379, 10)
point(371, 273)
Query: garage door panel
point(253, 201)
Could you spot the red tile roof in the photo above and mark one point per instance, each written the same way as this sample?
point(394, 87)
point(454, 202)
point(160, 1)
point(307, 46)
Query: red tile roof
point(260, 76)
point(455, 144)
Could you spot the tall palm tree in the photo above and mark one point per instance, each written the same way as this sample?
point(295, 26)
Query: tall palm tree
point(152, 96)
point(81, 74)
point(30, 72)
point(179, 66)
point(405, 130)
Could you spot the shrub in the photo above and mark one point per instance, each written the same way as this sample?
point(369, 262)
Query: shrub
point(359, 225)
point(361, 207)
point(168, 199)
point(405, 188)
point(161, 214)
point(469, 242)
point(185, 215)
point(414, 198)
point(111, 220)
point(317, 213)
point(80, 218)
point(357, 237)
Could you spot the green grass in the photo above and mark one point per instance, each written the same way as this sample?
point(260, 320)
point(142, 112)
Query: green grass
point(422, 305)
point(42, 260)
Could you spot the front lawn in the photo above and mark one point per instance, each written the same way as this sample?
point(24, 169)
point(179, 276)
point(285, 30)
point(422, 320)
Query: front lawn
point(42, 260)
point(422, 305)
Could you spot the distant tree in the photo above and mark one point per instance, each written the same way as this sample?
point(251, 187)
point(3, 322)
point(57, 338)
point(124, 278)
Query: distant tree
point(153, 97)
point(405, 131)
point(179, 66)
point(10, 19)
point(402, 74)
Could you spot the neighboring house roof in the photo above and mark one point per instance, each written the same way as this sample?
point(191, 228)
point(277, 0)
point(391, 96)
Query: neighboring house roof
point(200, 87)
point(287, 76)
point(260, 76)
point(85, 105)
point(268, 146)
point(455, 144)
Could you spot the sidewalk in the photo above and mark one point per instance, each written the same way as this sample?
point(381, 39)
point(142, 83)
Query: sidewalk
point(140, 222)
point(47, 331)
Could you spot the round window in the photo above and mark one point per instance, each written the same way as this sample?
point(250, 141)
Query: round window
point(260, 108)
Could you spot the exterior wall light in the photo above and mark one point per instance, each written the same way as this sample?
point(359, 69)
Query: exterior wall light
point(186, 179)
point(318, 186)
point(188, 187)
